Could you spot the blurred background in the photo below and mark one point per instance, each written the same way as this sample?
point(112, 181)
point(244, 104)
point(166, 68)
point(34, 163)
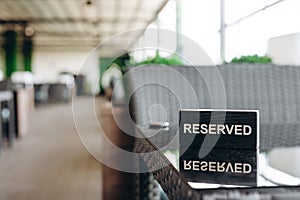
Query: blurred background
point(49, 54)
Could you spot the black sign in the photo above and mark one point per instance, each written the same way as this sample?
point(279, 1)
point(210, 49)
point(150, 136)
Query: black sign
point(219, 146)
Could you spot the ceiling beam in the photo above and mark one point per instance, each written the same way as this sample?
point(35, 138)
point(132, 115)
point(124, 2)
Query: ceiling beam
point(68, 20)
point(2, 21)
point(65, 21)
point(63, 34)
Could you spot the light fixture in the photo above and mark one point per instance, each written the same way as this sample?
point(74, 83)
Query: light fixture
point(29, 31)
point(88, 2)
point(90, 11)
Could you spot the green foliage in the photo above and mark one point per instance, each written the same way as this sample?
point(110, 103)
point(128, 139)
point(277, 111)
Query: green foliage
point(252, 59)
point(10, 48)
point(122, 60)
point(172, 60)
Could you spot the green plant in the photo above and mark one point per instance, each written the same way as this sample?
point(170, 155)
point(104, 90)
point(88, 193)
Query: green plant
point(10, 48)
point(157, 59)
point(251, 59)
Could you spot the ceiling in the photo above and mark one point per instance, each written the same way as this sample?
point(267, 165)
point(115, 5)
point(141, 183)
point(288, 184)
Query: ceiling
point(79, 24)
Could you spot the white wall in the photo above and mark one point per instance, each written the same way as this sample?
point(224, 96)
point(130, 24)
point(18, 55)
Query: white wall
point(47, 65)
point(285, 50)
point(286, 159)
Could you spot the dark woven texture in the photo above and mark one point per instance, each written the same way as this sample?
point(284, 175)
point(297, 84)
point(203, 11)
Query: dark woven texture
point(160, 92)
point(168, 177)
point(176, 187)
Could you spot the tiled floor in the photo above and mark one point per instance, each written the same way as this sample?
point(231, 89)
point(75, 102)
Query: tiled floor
point(50, 162)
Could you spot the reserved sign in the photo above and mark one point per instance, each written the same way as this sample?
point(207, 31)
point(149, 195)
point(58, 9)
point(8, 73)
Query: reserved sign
point(219, 146)
point(223, 129)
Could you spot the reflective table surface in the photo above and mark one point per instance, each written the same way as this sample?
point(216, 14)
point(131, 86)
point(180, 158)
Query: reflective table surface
point(159, 150)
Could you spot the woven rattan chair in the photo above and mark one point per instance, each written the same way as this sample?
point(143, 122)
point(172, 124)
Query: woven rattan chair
point(157, 93)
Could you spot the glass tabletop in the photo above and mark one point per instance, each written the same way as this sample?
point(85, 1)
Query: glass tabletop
point(268, 176)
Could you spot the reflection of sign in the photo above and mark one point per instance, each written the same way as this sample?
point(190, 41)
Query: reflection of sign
point(233, 158)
